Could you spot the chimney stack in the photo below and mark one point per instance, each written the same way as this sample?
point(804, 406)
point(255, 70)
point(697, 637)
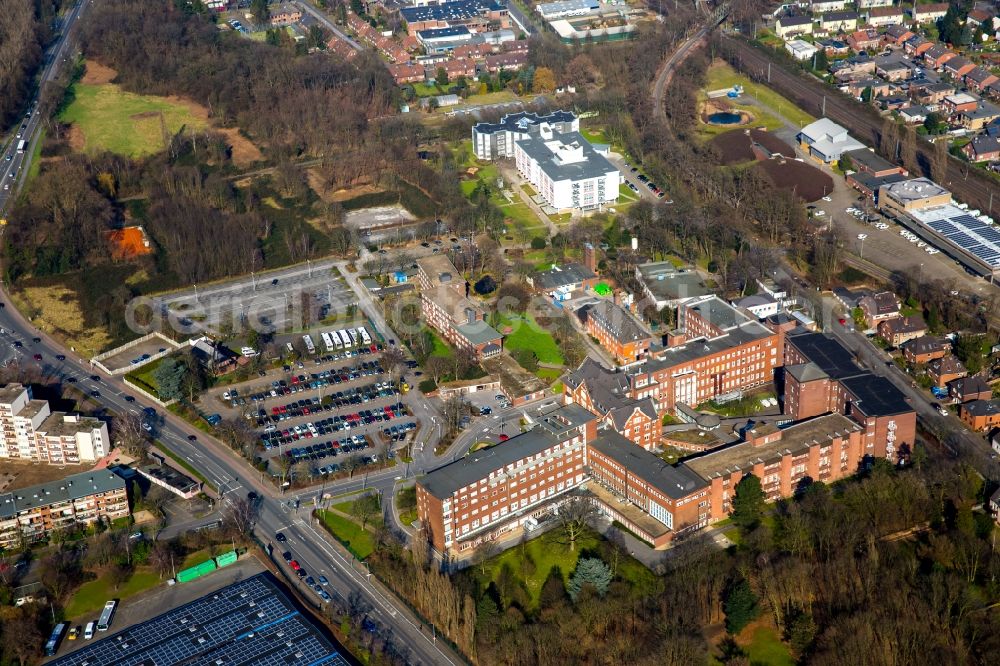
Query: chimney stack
point(589, 257)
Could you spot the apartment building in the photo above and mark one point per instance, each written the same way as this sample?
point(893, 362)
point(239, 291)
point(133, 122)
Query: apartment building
point(78, 499)
point(980, 414)
point(652, 498)
point(617, 331)
point(31, 432)
point(565, 169)
point(493, 491)
point(493, 141)
point(608, 394)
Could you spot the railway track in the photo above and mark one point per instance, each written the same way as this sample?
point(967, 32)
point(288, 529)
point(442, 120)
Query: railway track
point(965, 182)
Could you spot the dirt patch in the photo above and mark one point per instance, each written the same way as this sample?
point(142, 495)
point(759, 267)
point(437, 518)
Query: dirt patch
point(57, 311)
point(806, 182)
point(739, 146)
point(145, 114)
point(315, 180)
point(96, 73)
point(74, 135)
point(242, 150)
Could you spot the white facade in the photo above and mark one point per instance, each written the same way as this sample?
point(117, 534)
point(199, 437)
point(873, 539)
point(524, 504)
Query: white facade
point(823, 6)
point(869, 4)
point(496, 140)
point(565, 170)
point(30, 431)
point(801, 49)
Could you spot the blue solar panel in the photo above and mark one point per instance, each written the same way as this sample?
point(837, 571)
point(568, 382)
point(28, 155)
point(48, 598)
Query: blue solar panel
point(941, 226)
point(965, 219)
point(961, 239)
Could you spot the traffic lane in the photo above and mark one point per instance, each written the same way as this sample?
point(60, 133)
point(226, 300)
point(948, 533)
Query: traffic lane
point(318, 557)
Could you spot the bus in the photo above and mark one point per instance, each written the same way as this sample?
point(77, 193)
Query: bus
point(104, 622)
point(344, 338)
point(327, 342)
point(309, 343)
point(21, 145)
point(336, 340)
point(364, 335)
point(354, 336)
point(53, 643)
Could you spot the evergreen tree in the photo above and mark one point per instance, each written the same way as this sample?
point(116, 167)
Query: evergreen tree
point(589, 571)
point(748, 502)
point(740, 606)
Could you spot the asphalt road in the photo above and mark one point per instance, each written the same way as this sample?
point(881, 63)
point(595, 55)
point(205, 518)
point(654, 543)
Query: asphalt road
point(14, 165)
point(328, 24)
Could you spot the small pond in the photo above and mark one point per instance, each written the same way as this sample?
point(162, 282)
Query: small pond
point(725, 118)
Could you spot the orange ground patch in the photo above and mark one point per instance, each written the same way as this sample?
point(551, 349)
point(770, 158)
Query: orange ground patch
point(128, 243)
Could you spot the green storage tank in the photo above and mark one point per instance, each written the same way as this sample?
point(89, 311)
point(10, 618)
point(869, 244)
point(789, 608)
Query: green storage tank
point(226, 559)
point(197, 571)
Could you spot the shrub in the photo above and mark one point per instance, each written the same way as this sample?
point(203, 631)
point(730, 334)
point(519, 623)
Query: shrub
point(538, 243)
point(427, 386)
point(485, 285)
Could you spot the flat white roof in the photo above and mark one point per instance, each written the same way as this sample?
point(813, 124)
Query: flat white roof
point(962, 230)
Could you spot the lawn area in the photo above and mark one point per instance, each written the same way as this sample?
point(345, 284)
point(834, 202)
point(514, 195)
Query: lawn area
point(345, 507)
point(721, 75)
point(440, 348)
point(745, 406)
point(36, 161)
point(549, 374)
point(197, 557)
point(90, 598)
point(521, 216)
point(108, 118)
point(356, 540)
point(144, 376)
point(549, 550)
point(766, 648)
point(526, 334)
point(407, 497)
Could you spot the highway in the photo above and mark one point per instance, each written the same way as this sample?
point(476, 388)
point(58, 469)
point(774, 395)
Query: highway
point(15, 165)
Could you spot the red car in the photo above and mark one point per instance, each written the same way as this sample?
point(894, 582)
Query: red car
point(504, 438)
point(842, 321)
point(37, 357)
point(294, 564)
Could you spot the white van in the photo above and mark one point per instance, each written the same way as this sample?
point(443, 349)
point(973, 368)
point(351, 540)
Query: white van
point(88, 633)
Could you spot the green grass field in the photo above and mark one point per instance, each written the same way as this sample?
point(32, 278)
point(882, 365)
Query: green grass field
point(356, 540)
point(527, 334)
point(36, 162)
point(549, 550)
point(125, 123)
point(766, 648)
point(721, 75)
point(440, 348)
point(144, 376)
point(90, 598)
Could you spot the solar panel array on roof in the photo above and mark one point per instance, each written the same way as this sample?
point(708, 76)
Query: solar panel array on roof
point(965, 231)
point(249, 622)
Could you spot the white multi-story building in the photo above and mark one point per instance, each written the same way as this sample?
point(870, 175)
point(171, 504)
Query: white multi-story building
point(496, 140)
point(30, 431)
point(565, 169)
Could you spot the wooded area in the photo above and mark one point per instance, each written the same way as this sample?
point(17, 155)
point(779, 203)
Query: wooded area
point(25, 29)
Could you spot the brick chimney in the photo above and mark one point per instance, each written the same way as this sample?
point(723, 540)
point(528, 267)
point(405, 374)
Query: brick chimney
point(590, 257)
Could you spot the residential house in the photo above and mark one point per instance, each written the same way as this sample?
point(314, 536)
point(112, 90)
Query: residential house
point(407, 72)
point(853, 67)
point(457, 67)
point(839, 21)
point(967, 389)
point(894, 68)
point(924, 350)
point(888, 16)
point(897, 35)
point(823, 6)
point(792, 26)
point(915, 113)
point(892, 102)
point(980, 17)
point(917, 45)
point(617, 331)
point(936, 56)
point(946, 369)
point(931, 93)
point(958, 67)
point(286, 15)
point(902, 329)
point(879, 307)
point(979, 78)
point(856, 87)
point(980, 414)
point(978, 118)
point(511, 61)
point(474, 51)
point(928, 13)
point(995, 506)
point(982, 148)
point(874, 4)
point(862, 40)
point(836, 48)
